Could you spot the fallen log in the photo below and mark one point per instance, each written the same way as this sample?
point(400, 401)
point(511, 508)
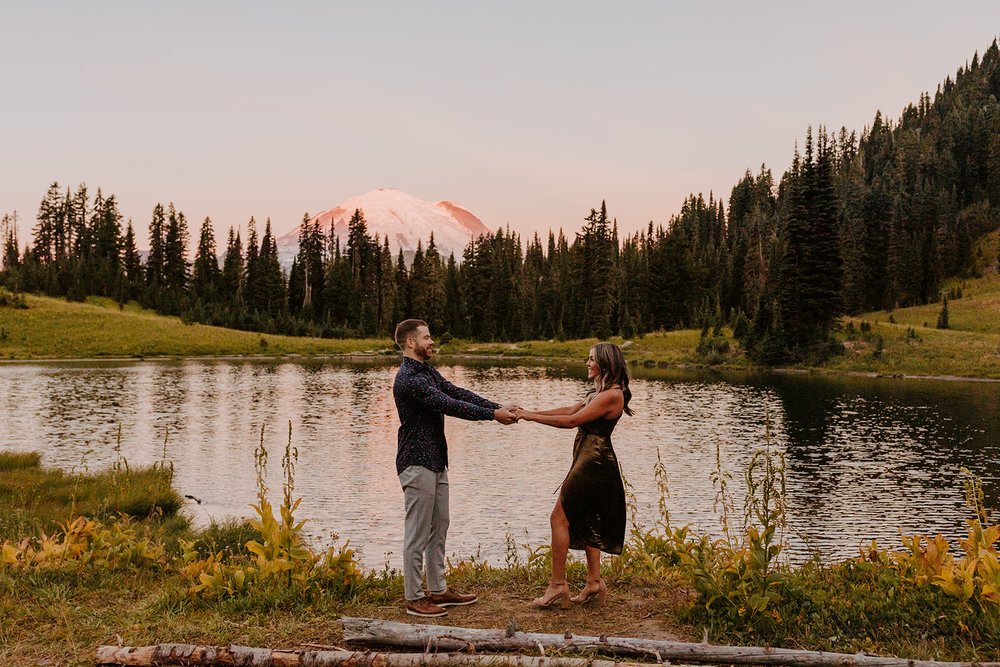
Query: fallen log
point(374, 632)
point(228, 656)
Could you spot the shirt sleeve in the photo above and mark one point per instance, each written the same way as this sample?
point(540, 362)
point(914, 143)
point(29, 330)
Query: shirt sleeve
point(420, 389)
point(465, 395)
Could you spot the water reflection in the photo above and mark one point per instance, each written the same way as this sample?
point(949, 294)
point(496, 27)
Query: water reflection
point(865, 458)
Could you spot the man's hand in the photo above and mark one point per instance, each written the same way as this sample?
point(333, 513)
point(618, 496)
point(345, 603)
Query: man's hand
point(504, 416)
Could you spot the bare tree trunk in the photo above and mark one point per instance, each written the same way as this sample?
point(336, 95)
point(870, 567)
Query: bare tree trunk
point(212, 656)
point(373, 632)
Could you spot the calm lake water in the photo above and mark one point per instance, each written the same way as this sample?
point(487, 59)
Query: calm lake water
point(866, 458)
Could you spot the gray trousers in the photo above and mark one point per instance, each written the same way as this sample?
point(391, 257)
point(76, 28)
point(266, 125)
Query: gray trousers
point(425, 494)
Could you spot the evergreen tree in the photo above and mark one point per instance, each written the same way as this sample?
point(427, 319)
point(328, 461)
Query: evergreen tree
point(252, 278)
point(156, 257)
point(49, 213)
point(942, 322)
point(305, 285)
point(273, 291)
point(206, 278)
point(404, 302)
point(387, 291)
point(132, 264)
point(10, 258)
point(454, 303)
point(175, 248)
point(232, 270)
point(433, 287)
point(809, 296)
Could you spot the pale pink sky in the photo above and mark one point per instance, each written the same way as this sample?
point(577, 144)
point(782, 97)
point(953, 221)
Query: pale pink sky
point(528, 114)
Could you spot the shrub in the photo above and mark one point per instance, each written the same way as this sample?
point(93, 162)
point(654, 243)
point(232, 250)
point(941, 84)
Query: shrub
point(278, 567)
point(10, 299)
point(84, 542)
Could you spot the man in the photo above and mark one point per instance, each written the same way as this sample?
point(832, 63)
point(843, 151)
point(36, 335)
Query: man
point(423, 398)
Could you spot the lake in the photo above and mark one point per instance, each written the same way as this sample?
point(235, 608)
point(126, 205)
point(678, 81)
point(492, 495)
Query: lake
point(866, 458)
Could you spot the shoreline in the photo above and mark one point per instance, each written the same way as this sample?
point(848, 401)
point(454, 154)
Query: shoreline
point(527, 360)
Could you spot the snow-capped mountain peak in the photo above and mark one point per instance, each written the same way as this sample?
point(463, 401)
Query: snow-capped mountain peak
point(402, 217)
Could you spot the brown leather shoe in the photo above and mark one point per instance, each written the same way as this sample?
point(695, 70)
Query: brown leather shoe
point(452, 598)
point(424, 607)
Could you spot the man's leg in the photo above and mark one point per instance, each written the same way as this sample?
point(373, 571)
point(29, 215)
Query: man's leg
point(438, 534)
point(419, 496)
point(438, 590)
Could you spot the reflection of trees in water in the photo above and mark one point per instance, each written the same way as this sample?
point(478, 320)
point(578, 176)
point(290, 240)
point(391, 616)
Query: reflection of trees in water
point(81, 409)
point(167, 398)
point(865, 455)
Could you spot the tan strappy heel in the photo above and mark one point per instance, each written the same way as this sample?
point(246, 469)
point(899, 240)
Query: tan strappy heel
point(601, 593)
point(562, 596)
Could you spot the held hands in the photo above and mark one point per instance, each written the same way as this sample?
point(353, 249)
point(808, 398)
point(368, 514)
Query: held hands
point(507, 413)
point(504, 416)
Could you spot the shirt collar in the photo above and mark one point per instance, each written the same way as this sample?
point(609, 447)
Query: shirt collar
point(413, 363)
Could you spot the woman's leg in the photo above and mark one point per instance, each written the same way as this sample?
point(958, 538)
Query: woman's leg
point(593, 565)
point(595, 586)
point(560, 542)
point(557, 590)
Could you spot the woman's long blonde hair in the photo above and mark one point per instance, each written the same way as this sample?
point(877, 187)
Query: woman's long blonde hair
point(612, 370)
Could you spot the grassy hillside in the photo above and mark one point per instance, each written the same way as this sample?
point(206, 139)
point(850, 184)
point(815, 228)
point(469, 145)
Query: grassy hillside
point(914, 345)
point(56, 329)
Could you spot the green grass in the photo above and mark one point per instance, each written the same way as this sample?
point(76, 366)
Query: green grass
point(58, 329)
point(35, 499)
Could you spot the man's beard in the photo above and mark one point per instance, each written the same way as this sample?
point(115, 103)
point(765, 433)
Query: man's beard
point(423, 352)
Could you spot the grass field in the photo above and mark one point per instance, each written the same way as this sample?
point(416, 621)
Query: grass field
point(58, 329)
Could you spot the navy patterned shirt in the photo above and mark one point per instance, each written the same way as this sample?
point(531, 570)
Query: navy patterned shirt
point(423, 398)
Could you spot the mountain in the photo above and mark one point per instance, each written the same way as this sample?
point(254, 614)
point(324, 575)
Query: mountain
point(400, 216)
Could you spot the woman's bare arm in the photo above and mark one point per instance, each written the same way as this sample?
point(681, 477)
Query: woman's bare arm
point(606, 404)
point(568, 410)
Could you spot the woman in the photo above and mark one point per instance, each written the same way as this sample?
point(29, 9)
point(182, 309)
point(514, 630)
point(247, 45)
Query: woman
point(590, 511)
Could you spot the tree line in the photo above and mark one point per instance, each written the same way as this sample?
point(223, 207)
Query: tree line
point(858, 222)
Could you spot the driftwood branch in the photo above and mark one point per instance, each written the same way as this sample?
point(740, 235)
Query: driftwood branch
point(228, 656)
point(373, 632)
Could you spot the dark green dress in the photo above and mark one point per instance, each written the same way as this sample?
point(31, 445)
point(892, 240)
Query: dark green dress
point(593, 496)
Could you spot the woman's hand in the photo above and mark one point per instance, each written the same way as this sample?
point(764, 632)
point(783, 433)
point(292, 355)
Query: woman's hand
point(520, 413)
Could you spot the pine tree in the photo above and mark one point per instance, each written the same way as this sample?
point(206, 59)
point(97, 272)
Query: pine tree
point(132, 264)
point(454, 303)
point(942, 322)
point(155, 258)
point(206, 278)
point(273, 297)
point(387, 291)
point(809, 296)
point(434, 287)
point(232, 270)
point(175, 246)
point(11, 259)
point(362, 256)
point(49, 213)
point(251, 278)
point(404, 303)
point(305, 287)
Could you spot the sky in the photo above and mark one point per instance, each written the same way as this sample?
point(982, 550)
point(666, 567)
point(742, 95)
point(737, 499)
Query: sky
point(529, 114)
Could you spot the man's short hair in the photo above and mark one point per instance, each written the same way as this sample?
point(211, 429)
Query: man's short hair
point(404, 329)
